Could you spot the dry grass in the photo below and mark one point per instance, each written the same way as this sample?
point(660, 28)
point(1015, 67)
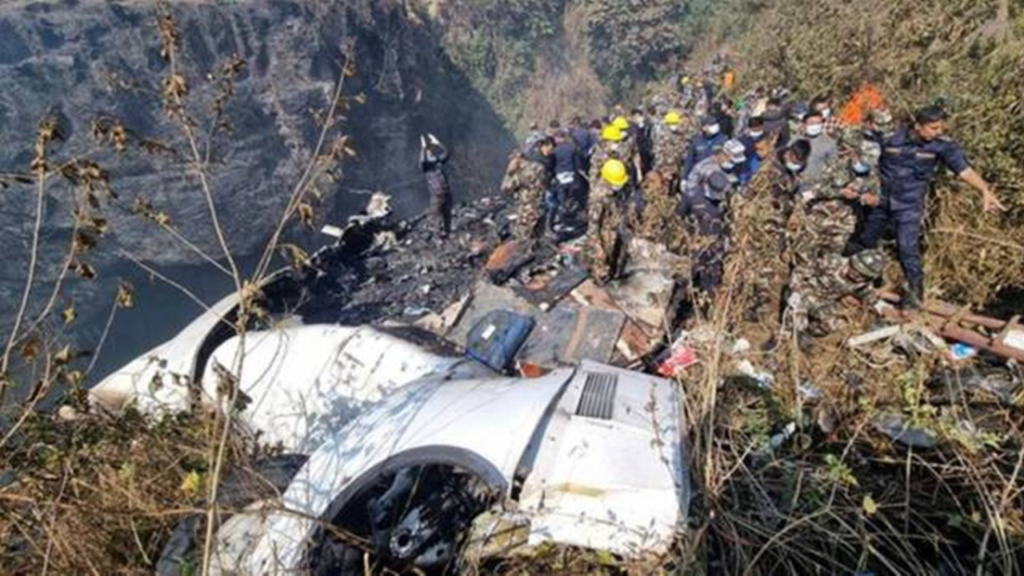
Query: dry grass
point(99, 495)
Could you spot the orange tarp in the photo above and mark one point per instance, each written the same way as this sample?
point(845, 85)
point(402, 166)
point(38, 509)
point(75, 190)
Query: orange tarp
point(867, 98)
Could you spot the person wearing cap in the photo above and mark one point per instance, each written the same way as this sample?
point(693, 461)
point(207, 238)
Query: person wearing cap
point(817, 300)
point(669, 144)
point(605, 250)
point(880, 124)
point(704, 145)
point(727, 160)
point(907, 169)
point(704, 210)
point(527, 180)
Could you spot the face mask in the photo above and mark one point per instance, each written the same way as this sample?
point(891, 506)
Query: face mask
point(826, 113)
point(757, 135)
point(728, 165)
point(794, 167)
point(861, 168)
point(814, 130)
point(712, 129)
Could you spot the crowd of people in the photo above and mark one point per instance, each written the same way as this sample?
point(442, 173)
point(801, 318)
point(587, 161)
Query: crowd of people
point(804, 192)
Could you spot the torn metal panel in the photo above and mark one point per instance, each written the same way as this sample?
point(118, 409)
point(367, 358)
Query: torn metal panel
point(647, 291)
point(633, 341)
point(610, 471)
point(550, 290)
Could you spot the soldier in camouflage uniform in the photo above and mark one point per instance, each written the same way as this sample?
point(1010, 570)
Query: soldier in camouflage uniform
point(606, 243)
point(760, 220)
point(817, 298)
point(527, 180)
point(669, 145)
point(433, 157)
point(829, 209)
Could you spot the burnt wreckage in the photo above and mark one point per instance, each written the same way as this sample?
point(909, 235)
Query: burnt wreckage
point(494, 424)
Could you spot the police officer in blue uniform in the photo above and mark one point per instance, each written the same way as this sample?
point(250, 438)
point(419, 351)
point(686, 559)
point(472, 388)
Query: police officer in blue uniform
point(907, 168)
point(704, 145)
point(706, 205)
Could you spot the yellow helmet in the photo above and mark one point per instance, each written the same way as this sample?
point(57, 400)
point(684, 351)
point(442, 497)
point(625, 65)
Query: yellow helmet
point(621, 123)
point(673, 118)
point(612, 134)
point(614, 173)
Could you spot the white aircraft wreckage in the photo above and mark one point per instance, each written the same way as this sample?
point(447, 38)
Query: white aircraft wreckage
point(416, 452)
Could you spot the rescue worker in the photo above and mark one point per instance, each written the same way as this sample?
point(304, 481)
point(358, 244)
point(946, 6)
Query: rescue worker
point(640, 134)
point(566, 193)
point(527, 181)
point(775, 124)
point(726, 160)
point(880, 124)
point(606, 246)
point(584, 139)
point(669, 145)
point(704, 208)
point(751, 136)
point(817, 298)
point(630, 149)
point(433, 156)
point(907, 170)
point(704, 145)
point(760, 221)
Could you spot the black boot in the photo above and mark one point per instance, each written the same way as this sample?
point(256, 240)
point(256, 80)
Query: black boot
point(913, 298)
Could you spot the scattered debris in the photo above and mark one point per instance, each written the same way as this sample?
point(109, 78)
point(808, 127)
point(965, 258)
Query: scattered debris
point(680, 356)
point(899, 430)
point(1004, 338)
point(496, 338)
point(763, 379)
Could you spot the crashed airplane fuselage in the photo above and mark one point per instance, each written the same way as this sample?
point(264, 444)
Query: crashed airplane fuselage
point(417, 449)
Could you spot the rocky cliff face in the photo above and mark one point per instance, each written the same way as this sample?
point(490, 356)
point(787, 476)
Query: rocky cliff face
point(59, 58)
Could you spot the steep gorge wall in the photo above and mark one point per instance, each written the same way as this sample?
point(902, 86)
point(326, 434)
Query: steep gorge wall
point(57, 58)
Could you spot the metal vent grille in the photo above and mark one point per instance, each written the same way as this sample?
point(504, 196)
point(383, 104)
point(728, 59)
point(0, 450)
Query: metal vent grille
point(598, 397)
